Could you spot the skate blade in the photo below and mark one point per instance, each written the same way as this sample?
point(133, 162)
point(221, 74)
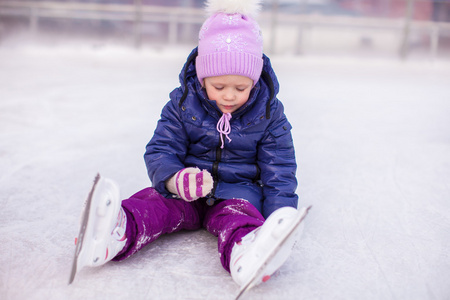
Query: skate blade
point(81, 234)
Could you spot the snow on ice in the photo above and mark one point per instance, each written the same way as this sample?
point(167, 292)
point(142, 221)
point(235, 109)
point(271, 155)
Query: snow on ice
point(372, 141)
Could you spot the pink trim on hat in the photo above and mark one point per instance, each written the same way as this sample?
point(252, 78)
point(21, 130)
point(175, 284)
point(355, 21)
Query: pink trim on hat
point(229, 63)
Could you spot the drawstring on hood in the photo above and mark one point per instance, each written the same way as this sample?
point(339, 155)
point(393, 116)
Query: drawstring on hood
point(224, 128)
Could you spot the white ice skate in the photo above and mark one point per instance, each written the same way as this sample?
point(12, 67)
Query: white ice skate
point(102, 231)
point(263, 251)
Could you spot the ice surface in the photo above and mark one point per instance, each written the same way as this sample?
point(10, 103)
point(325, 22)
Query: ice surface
point(373, 147)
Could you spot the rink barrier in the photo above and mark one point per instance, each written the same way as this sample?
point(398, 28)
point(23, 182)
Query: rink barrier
point(174, 16)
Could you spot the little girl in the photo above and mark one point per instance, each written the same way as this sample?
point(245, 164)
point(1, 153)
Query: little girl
point(221, 158)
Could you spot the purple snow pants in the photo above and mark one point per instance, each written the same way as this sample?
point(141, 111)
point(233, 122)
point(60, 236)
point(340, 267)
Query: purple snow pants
point(149, 215)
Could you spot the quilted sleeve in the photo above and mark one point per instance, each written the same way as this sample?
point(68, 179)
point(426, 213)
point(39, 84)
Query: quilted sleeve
point(276, 160)
point(166, 151)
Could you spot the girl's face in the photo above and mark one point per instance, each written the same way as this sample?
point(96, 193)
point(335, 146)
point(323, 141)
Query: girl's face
point(229, 91)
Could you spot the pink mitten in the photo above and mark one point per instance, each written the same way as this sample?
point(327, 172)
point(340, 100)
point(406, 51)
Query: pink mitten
point(190, 184)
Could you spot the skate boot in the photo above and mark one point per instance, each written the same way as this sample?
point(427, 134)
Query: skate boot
point(264, 250)
point(102, 232)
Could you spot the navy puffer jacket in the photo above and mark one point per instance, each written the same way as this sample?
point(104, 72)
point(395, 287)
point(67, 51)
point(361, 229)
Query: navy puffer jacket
point(257, 165)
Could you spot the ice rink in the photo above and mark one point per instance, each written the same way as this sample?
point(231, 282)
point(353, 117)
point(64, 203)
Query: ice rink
point(372, 142)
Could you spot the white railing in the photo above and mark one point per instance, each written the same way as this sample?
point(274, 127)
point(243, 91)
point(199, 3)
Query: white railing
point(136, 13)
point(275, 24)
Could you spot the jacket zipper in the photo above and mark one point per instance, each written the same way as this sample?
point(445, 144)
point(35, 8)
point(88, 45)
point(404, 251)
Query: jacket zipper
point(215, 170)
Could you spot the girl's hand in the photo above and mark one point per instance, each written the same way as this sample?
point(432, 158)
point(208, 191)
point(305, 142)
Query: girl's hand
point(190, 184)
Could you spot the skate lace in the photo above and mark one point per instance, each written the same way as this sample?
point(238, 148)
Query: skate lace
point(224, 128)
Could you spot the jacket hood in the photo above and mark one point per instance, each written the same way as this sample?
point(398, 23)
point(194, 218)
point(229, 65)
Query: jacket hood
point(265, 90)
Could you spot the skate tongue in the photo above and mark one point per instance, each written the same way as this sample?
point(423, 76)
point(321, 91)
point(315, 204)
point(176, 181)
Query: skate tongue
point(288, 228)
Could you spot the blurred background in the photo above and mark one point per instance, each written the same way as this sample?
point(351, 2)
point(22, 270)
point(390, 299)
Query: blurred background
point(381, 28)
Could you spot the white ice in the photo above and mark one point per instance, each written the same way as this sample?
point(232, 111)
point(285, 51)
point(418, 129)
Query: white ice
point(372, 141)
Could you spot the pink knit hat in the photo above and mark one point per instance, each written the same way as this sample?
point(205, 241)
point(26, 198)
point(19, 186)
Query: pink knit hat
point(230, 41)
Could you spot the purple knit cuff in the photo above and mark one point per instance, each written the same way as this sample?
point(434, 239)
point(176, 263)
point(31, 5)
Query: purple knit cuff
point(229, 63)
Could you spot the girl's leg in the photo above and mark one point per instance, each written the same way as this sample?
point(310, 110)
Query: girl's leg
point(149, 215)
point(230, 221)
